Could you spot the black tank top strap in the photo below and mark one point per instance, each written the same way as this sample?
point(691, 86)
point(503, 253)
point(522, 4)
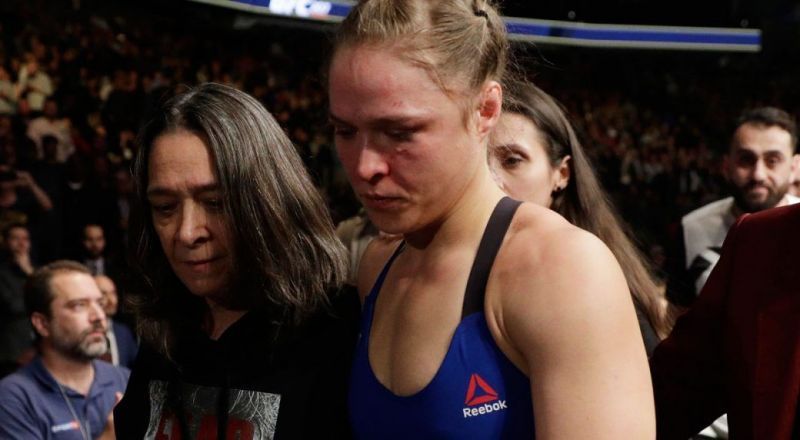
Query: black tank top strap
point(487, 251)
point(376, 288)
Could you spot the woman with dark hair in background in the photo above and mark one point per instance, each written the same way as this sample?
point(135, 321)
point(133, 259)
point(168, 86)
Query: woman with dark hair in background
point(238, 269)
point(535, 156)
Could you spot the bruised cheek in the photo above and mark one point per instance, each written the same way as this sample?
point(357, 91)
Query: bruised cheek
point(413, 170)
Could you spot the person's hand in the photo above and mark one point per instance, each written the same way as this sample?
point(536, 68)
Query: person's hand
point(108, 431)
point(25, 179)
point(23, 260)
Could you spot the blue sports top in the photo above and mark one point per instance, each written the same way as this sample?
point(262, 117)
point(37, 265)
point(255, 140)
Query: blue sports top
point(476, 393)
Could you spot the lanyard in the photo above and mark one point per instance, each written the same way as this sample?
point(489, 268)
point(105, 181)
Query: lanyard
point(84, 429)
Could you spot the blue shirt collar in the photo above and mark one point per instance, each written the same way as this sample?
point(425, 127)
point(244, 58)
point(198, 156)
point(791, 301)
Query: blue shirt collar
point(103, 377)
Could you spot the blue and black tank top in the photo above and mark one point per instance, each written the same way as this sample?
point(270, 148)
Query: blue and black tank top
point(476, 393)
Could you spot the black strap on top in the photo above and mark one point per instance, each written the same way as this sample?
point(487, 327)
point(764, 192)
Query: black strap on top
point(487, 251)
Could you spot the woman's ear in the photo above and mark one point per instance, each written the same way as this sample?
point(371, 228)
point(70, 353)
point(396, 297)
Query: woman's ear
point(562, 174)
point(489, 107)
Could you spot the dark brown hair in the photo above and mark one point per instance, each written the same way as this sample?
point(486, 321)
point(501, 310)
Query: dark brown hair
point(285, 248)
point(38, 293)
point(10, 227)
point(770, 117)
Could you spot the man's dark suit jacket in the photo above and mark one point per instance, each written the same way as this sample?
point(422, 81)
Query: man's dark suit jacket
point(738, 349)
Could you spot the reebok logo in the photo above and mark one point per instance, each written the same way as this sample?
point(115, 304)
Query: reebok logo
point(479, 397)
point(486, 408)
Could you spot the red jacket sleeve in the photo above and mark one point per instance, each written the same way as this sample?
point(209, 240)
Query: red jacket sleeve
point(688, 367)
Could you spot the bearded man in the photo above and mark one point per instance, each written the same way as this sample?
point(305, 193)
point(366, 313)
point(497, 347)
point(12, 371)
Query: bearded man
point(65, 392)
point(760, 168)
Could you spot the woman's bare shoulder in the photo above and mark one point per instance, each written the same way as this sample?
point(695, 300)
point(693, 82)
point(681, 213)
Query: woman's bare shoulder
point(557, 291)
point(545, 259)
point(539, 237)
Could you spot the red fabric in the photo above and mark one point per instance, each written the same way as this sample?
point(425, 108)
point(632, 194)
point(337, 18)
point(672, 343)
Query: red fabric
point(738, 349)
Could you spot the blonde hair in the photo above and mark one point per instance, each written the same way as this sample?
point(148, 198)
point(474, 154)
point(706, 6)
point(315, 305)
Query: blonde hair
point(454, 40)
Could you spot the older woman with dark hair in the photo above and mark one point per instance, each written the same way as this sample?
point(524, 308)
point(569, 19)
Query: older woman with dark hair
point(238, 268)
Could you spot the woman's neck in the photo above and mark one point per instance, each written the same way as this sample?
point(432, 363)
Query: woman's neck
point(466, 218)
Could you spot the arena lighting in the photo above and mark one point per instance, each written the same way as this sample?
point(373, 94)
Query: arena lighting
point(634, 36)
point(305, 9)
point(550, 32)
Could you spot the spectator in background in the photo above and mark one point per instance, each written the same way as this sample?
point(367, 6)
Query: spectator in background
point(760, 167)
point(761, 164)
point(6, 130)
point(85, 202)
point(50, 123)
point(123, 193)
point(8, 92)
point(48, 170)
point(49, 173)
point(65, 390)
point(122, 345)
point(33, 84)
point(94, 251)
point(123, 107)
point(21, 198)
point(15, 329)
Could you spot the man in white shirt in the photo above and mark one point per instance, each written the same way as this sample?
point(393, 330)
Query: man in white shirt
point(51, 124)
point(34, 83)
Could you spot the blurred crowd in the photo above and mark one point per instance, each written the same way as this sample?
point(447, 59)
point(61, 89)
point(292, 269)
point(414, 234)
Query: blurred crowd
point(73, 91)
point(658, 125)
point(76, 82)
